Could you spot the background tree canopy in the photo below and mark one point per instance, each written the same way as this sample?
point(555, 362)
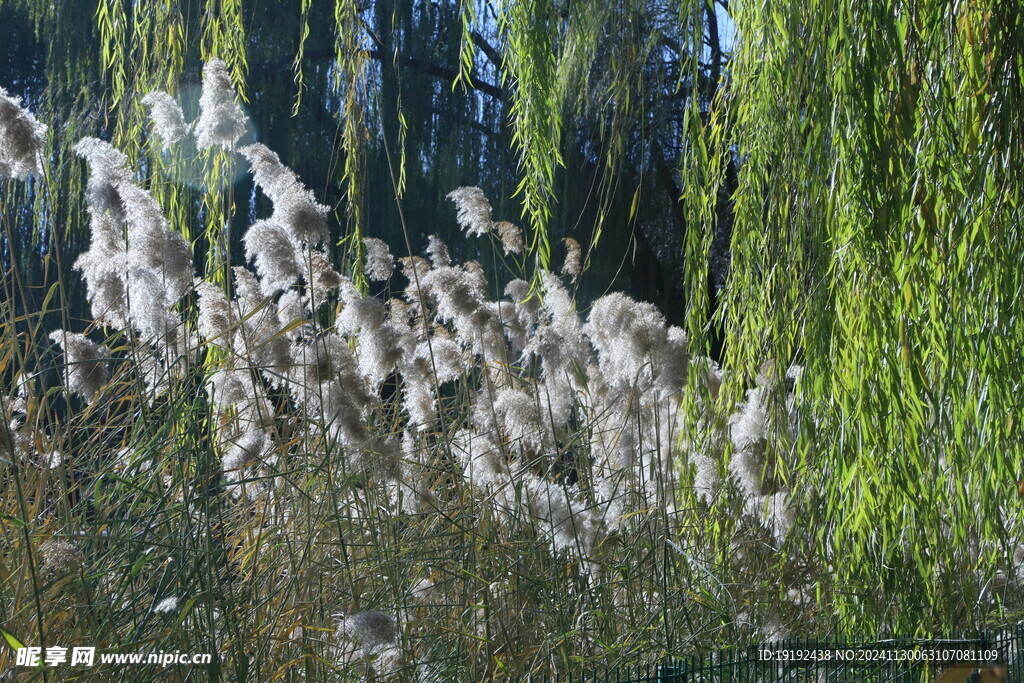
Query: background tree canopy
point(569, 115)
point(830, 183)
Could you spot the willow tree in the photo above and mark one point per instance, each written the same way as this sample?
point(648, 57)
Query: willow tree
point(876, 242)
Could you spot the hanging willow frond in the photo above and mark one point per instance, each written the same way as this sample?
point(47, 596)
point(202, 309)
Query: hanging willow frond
point(530, 69)
point(349, 83)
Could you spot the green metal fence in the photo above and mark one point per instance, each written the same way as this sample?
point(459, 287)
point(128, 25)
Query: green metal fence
point(989, 656)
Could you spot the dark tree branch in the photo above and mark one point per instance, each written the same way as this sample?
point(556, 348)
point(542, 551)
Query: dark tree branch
point(475, 125)
point(434, 69)
point(449, 75)
point(715, 42)
point(441, 72)
point(667, 177)
point(373, 34)
point(492, 54)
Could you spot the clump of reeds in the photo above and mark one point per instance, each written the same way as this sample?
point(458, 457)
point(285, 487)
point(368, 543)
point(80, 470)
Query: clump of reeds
point(436, 481)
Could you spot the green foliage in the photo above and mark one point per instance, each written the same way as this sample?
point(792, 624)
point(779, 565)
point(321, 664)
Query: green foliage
point(530, 30)
point(876, 241)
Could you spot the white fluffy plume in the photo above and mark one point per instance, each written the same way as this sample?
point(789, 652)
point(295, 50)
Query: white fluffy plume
point(84, 369)
point(167, 116)
point(221, 120)
point(22, 138)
